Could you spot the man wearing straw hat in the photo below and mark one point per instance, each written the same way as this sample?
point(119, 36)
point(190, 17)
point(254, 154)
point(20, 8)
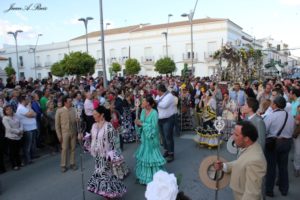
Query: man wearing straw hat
point(248, 170)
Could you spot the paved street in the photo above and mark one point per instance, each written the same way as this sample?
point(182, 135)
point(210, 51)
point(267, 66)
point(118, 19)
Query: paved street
point(43, 179)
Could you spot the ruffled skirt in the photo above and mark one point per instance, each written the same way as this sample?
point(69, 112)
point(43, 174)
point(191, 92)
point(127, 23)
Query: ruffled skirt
point(148, 162)
point(120, 170)
point(103, 182)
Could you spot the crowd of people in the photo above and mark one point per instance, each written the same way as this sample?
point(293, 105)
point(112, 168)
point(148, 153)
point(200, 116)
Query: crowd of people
point(262, 116)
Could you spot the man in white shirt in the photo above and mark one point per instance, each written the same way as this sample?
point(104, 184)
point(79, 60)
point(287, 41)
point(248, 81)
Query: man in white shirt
point(28, 120)
point(166, 115)
point(280, 128)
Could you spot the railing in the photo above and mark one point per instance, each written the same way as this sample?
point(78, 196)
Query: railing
point(163, 56)
point(39, 65)
point(149, 60)
point(48, 64)
point(111, 60)
point(208, 56)
point(188, 57)
point(123, 59)
point(99, 61)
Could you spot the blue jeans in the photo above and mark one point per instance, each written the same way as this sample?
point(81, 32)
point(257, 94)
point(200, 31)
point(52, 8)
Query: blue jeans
point(166, 127)
point(176, 125)
point(278, 158)
point(29, 146)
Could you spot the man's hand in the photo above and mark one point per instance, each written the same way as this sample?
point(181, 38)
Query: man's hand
point(80, 136)
point(218, 165)
point(138, 122)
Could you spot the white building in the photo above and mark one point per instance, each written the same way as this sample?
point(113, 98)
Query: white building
point(277, 52)
point(145, 43)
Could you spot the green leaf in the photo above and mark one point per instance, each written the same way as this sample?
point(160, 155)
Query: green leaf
point(165, 66)
point(78, 63)
point(57, 69)
point(132, 66)
point(116, 67)
point(9, 70)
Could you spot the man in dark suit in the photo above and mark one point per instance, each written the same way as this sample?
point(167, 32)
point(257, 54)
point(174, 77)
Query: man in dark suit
point(118, 101)
point(248, 90)
point(249, 109)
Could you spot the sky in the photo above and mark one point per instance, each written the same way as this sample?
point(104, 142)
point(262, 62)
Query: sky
point(58, 21)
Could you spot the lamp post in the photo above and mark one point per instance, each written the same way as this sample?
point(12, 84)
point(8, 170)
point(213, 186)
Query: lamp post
point(166, 37)
point(166, 34)
point(15, 34)
point(106, 25)
point(34, 54)
point(102, 44)
point(190, 17)
point(85, 21)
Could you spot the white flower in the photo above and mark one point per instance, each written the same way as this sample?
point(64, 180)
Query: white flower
point(163, 187)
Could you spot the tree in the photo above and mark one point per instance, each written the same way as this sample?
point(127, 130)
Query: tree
point(132, 66)
point(9, 70)
point(116, 67)
point(78, 63)
point(165, 65)
point(57, 69)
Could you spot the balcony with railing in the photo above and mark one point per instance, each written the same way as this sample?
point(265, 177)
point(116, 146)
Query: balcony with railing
point(123, 59)
point(208, 56)
point(98, 63)
point(48, 64)
point(148, 60)
point(39, 65)
point(111, 60)
point(187, 57)
point(163, 56)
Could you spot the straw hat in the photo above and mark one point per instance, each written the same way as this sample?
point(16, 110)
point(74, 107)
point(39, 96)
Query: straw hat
point(208, 174)
point(231, 147)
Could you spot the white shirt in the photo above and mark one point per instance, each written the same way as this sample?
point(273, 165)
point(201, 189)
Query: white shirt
point(274, 122)
point(29, 123)
point(166, 106)
point(251, 116)
point(88, 107)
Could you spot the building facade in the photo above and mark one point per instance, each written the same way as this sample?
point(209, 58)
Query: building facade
point(146, 43)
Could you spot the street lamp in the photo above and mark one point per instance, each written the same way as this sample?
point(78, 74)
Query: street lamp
point(166, 37)
point(15, 34)
point(190, 17)
point(102, 44)
point(85, 21)
point(169, 16)
point(166, 34)
point(34, 51)
point(106, 25)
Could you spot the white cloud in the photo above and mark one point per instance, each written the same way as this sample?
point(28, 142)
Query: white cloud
point(21, 16)
point(6, 26)
point(290, 2)
point(72, 21)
